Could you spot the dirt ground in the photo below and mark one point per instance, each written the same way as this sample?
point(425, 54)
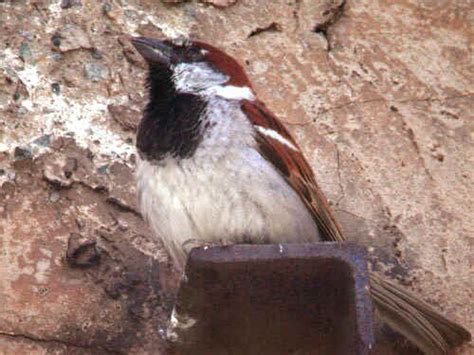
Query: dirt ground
point(380, 95)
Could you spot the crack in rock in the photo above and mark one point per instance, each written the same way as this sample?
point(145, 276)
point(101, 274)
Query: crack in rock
point(273, 27)
point(333, 14)
point(57, 342)
point(339, 178)
point(122, 206)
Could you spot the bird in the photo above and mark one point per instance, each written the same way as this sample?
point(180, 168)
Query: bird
point(216, 167)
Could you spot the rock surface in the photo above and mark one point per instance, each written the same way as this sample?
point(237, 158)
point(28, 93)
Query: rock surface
point(379, 95)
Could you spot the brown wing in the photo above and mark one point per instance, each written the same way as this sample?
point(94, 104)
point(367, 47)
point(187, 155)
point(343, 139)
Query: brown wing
point(293, 166)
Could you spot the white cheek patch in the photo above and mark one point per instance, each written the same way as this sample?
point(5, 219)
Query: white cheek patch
point(231, 92)
point(276, 136)
point(195, 78)
point(188, 78)
point(199, 78)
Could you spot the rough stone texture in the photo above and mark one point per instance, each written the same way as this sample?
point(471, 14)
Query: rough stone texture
point(378, 93)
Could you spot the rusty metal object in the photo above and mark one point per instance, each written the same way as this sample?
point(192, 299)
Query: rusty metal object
point(274, 299)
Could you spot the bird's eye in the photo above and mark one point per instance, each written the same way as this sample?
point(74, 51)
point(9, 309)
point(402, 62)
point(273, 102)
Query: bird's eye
point(194, 53)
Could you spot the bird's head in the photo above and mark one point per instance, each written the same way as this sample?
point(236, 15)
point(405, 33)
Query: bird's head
point(194, 67)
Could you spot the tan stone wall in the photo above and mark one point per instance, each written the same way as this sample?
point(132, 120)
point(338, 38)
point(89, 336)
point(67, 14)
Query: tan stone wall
point(380, 95)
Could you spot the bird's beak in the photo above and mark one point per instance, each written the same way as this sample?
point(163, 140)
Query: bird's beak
point(154, 50)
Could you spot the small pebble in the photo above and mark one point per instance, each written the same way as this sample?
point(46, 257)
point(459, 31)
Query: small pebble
point(54, 196)
point(43, 141)
point(26, 35)
point(95, 72)
point(55, 88)
point(96, 54)
point(132, 14)
point(11, 175)
point(107, 7)
point(56, 56)
point(16, 96)
point(66, 4)
point(122, 225)
point(21, 153)
point(25, 51)
point(56, 40)
point(103, 169)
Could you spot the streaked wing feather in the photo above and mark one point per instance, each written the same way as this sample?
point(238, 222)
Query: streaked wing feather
point(294, 168)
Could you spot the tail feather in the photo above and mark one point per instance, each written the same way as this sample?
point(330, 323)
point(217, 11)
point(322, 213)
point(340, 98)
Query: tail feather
point(416, 320)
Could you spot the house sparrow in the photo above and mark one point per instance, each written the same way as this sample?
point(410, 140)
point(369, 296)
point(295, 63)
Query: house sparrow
point(216, 166)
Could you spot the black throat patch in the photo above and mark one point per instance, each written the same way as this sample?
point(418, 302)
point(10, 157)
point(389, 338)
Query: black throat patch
point(171, 124)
